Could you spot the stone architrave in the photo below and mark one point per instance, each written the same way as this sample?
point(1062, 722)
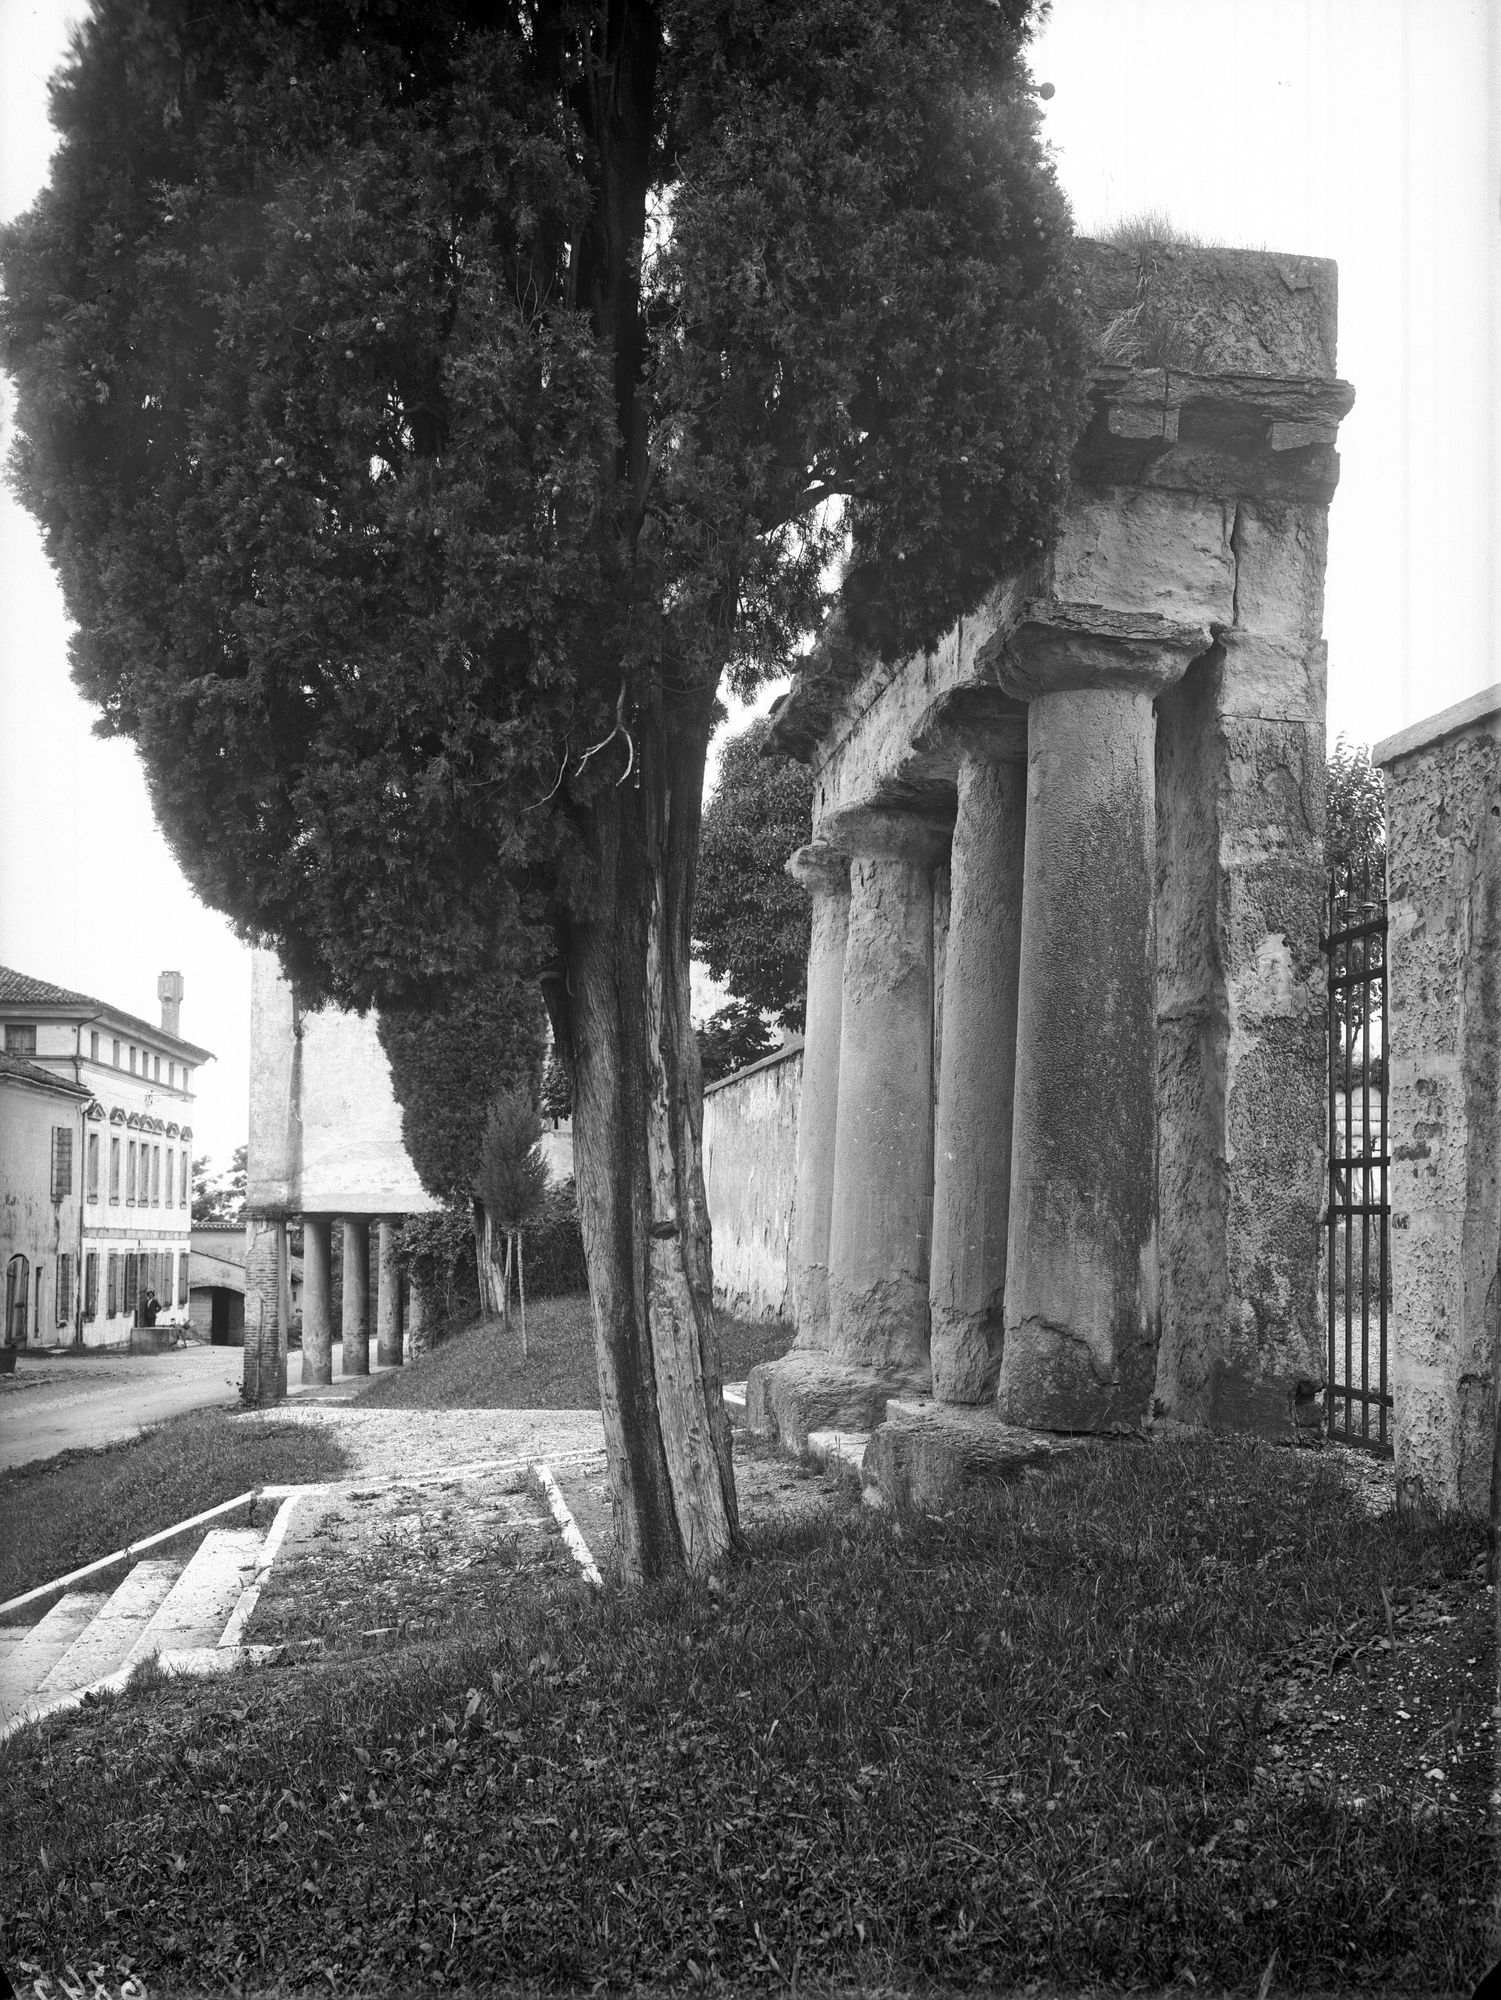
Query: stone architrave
point(317, 1329)
point(881, 1217)
point(825, 873)
point(388, 1309)
point(972, 1157)
point(1080, 1345)
point(356, 1359)
point(1443, 806)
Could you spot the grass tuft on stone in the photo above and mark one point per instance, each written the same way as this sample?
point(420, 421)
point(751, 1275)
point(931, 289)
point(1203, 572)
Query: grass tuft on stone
point(1029, 1743)
point(59, 1513)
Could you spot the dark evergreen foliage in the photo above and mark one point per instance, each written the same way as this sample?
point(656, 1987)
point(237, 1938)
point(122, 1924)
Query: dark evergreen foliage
point(751, 920)
point(368, 488)
point(447, 1068)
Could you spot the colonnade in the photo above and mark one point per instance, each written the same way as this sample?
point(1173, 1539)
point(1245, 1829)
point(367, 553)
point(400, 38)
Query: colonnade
point(396, 1319)
point(990, 1235)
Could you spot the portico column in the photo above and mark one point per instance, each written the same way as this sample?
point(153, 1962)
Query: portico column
point(388, 1341)
point(881, 1210)
point(317, 1331)
point(1081, 1279)
point(356, 1296)
point(972, 1163)
point(825, 873)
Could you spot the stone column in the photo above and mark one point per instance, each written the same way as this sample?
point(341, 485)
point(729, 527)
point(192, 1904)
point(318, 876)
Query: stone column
point(825, 873)
point(284, 1302)
point(416, 1320)
point(317, 1287)
point(388, 1341)
point(881, 1213)
point(356, 1295)
point(265, 1355)
point(972, 1165)
point(1081, 1280)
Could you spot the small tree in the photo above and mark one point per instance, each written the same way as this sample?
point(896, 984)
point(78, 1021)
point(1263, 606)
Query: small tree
point(731, 1039)
point(512, 1184)
point(751, 921)
point(1355, 829)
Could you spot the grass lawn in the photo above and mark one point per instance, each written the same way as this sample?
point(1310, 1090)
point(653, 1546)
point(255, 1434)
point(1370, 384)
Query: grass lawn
point(481, 1367)
point(1032, 1741)
point(62, 1512)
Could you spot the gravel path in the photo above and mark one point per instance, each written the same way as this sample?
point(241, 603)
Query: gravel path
point(405, 1443)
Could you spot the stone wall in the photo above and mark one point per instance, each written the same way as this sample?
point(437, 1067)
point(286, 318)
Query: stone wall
point(325, 1127)
point(750, 1162)
point(1443, 807)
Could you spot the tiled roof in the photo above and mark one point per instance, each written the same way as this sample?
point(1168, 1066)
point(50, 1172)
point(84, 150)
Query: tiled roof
point(30, 1072)
point(19, 989)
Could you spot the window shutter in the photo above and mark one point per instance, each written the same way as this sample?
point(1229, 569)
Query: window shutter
point(91, 1285)
point(112, 1285)
point(132, 1281)
point(182, 1278)
point(114, 1169)
point(91, 1167)
point(156, 1176)
point(62, 1162)
point(64, 1287)
point(183, 1184)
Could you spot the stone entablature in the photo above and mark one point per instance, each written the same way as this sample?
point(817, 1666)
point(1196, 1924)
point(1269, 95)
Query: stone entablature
point(1061, 1144)
point(1443, 1041)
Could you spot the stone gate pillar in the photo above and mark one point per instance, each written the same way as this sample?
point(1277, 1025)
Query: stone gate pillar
point(388, 1339)
point(356, 1296)
point(1081, 1286)
point(881, 1217)
point(317, 1329)
point(972, 1158)
point(825, 873)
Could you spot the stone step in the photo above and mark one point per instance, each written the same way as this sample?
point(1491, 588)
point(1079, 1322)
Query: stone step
point(197, 1608)
point(33, 1657)
point(105, 1641)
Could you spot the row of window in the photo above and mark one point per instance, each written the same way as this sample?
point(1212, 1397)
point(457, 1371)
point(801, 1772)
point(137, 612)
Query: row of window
point(20, 1040)
point(144, 1184)
point(128, 1276)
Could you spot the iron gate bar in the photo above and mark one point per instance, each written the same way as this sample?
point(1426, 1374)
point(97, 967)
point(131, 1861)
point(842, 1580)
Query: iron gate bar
point(1357, 996)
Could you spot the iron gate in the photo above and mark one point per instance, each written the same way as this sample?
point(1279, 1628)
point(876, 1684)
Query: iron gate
point(1358, 1398)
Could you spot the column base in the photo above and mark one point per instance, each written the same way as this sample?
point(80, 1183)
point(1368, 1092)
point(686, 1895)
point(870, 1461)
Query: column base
point(925, 1452)
point(807, 1391)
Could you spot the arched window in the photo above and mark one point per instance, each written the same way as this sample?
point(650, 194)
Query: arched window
point(17, 1296)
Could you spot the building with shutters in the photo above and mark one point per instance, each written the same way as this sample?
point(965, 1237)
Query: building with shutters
point(95, 1163)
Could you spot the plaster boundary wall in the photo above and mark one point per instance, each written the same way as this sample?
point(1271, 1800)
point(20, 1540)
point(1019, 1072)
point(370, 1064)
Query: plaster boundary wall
point(1434, 728)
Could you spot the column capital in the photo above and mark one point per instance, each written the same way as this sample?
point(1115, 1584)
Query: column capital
point(1056, 648)
point(977, 721)
point(820, 868)
point(888, 833)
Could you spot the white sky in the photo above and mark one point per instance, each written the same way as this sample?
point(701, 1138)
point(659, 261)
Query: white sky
point(1364, 130)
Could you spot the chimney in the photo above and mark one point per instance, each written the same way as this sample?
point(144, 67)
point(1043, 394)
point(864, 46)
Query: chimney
point(169, 992)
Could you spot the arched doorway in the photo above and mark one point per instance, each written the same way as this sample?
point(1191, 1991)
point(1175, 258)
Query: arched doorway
point(17, 1298)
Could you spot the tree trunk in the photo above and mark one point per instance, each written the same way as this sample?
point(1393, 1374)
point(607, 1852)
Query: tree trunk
point(638, 1118)
point(484, 1274)
point(521, 1292)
